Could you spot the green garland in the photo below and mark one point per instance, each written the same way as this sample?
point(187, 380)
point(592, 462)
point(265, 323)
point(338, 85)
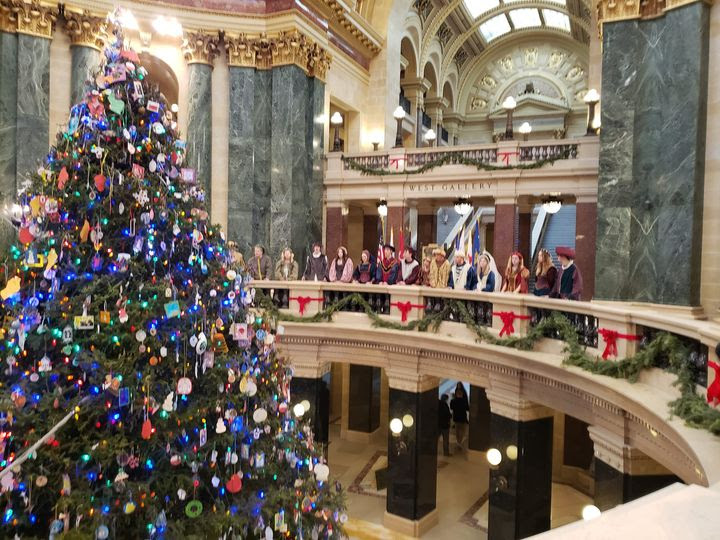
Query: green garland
point(455, 158)
point(690, 406)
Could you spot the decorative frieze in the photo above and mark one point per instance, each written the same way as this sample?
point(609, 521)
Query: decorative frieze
point(86, 30)
point(28, 17)
point(619, 10)
point(241, 51)
point(200, 47)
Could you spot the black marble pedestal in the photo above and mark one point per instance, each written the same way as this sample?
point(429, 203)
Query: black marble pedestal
point(521, 485)
point(364, 398)
point(317, 392)
point(613, 487)
point(412, 454)
point(479, 437)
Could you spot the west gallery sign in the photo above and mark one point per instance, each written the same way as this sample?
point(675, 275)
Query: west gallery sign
point(450, 187)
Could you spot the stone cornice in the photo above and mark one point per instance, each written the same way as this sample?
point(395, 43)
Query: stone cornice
point(200, 47)
point(86, 30)
point(290, 47)
point(621, 10)
point(28, 17)
point(347, 19)
point(621, 456)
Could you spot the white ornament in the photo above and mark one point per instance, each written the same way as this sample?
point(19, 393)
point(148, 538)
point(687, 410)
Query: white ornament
point(322, 472)
point(181, 494)
point(260, 415)
point(220, 426)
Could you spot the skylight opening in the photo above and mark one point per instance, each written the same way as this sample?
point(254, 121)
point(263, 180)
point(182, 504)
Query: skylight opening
point(525, 18)
point(555, 19)
point(478, 7)
point(494, 28)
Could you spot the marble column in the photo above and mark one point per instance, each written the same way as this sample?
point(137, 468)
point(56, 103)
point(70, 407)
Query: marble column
point(364, 398)
point(412, 457)
point(521, 483)
point(316, 390)
point(86, 35)
point(479, 433)
point(652, 157)
point(585, 241)
point(504, 232)
point(315, 145)
point(33, 102)
point(8, 122)
point(336, 229)
point(241, 159)
point(262, 151)
point(85, 60)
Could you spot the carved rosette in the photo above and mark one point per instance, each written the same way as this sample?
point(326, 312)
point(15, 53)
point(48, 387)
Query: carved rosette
point(86, 30)
point(318, 62)
point(290, 48)
point(240, 51)
point(28, 17)
point(200, 47)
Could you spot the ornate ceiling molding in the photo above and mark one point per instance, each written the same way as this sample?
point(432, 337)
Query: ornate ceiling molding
point(30, 17)
point(290, 47)
point(621, 10)
point(85, 29)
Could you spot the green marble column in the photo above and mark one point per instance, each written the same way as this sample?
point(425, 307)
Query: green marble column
point(199, 125)
point(261, 181)
point(85, 61)
point(33, 102)
point(8, 123)
point(316, 146)
point(652, 158)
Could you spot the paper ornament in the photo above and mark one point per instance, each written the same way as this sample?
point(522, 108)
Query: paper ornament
point(168, 404)
point(188, 175)
point(181, 493)
point(85, 231)
point(231, 275)
point(193, 509)
point(172, 309)
point(129, 507)
point(322, 472)
point(116, 105)
point(25, 235)
point(202, 343)
point(146, 429)
point(11, 288)
point(62, 178)
point(153, 106)
point(220, 427)
point(259, 415)
point(104, 317)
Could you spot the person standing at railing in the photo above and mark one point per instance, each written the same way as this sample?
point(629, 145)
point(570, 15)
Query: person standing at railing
point(489, 279)
point(439, 270)
point(388, 269)
point(409, 268)
point(545, 274)
point(286, 268)
point(341, 268)
point(516, 275)
point(259, 265)
point(424, 277)
point(236, 258)
point(462, 274)
point(316, 266)
point(569, 284)
point(365, 271)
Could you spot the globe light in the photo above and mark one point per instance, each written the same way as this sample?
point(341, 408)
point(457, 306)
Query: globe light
point(336, 118)
point(590, 512)
point(494, 457)
point(299, 410)
point(408, 420)
point(463, 206)
point(382, 208)
point(511, 452)
point(396, 426)
point(399, 113)
point(552, 204)
point(509, 104)
point(306, 405)
point(592, 96)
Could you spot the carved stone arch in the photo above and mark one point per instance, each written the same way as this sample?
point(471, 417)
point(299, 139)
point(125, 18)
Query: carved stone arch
point(162, 75)
point(409, 53)
point(430, 74)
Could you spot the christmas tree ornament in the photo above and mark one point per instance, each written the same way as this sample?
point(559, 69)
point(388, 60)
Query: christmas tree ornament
point(147, 429)
point(184, 386)
point(193, 509)
point(220, 427)
point(234, 483)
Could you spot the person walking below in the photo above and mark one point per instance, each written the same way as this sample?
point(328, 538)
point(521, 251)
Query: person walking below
point(444, 417)
point(460, 409)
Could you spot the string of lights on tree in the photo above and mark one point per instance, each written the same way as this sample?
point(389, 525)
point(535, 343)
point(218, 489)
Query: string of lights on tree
point(123, 311)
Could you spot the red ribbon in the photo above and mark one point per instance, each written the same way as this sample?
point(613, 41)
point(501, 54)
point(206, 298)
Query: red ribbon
point(303, 301)
point(508, 318)
point(405, 308)
point(713, 391)
point(396, 161)
point(506, 156)
point(611, 337)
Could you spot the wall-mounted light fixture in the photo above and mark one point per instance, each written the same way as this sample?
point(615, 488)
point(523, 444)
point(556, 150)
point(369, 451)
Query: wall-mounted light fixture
point(509, 105)
point(463, 206)
point(525, 128)
point(382, 207)
point(336, 119)
point(552, 204)
point(399, 115)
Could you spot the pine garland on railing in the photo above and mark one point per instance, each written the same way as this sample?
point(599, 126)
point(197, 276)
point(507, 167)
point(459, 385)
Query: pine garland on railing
point(665, 347)
point(456, 158)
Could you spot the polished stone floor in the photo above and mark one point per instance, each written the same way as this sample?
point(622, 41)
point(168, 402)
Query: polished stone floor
point(461, 493)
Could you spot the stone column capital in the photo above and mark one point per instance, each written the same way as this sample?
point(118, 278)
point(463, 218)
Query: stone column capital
point(410, 382)
point(613, 449)
point(240, 50)
point(86, 30)
point(612, 10)
point(30, 17)
point(200, 47)
point(505, 396)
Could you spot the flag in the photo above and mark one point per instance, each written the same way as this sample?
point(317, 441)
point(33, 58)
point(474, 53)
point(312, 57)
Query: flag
point(476, 240)
point(392, 242)
point(401, 243)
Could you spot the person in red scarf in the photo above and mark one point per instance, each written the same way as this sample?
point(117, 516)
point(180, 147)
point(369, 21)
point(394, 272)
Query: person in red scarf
point(516, 275)
point(388, 268)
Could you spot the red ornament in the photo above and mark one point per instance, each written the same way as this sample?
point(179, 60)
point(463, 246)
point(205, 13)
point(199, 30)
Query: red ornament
point(100, 182)
point(25, 236)
point(234, 484)
point(147, 429)
point(62, 178)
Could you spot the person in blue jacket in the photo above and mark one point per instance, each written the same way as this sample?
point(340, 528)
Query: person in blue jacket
point(462, 274)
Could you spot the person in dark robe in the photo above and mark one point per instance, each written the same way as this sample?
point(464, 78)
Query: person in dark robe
point(316, 266)
point(388, 269)
point(365, 271)
point(569, 283)
point(444, 418)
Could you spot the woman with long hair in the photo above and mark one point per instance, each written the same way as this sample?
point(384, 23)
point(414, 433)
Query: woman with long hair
point(365, 271)
point(545, 274)
point(516, 275)
point(286, 269)
point(489, 279)
point(341, 269)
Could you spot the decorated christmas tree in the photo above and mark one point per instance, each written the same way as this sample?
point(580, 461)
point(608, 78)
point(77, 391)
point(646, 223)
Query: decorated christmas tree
point(141, 395)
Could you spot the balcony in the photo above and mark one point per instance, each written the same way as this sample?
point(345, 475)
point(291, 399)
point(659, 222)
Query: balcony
point(426, 121)
point(489, 171)
point(405, 104)
point(639, 411)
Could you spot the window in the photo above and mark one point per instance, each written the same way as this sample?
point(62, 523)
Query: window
point(555, 19)
point(478, 7)
point(525, 18)
point(495, 27)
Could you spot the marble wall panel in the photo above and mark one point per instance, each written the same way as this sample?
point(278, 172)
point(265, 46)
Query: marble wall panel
point(651, 169)
point(33, 88)
point(8, 113)
point(85, 61)
point(316, 130)
point(199, 125)
point(261, 151)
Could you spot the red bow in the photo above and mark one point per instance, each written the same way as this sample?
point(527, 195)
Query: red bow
point(303, 301)
point(396, 161)
point(713, 391)
point(611, 337)
point(506, 156)
point(508, 318)
point(405, 308)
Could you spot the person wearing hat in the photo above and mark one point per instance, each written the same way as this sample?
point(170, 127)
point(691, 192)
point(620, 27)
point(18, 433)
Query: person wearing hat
point(316, 266)
point(409, 268)
point(365, 272)
point(462, 275)
point(516, 275)
point(439, 269)
point(259, 266)
point(388, 269)
point(568, 284)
